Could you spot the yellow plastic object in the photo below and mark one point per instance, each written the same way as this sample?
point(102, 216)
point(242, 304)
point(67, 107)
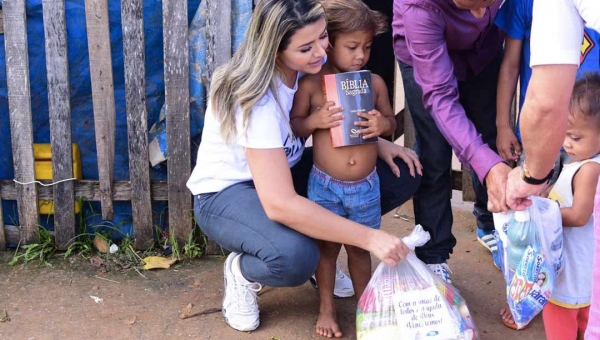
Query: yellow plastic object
point(42, 153)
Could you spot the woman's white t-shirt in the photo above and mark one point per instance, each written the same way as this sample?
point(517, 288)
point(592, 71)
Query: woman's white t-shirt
point(220, 165)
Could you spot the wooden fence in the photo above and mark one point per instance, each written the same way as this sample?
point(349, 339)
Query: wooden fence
point(140, 190)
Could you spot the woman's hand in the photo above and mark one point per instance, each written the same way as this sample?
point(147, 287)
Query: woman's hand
point(326, 116)
point(388, 248)
point(388, 151)
point(375, 125)
point(507, 144)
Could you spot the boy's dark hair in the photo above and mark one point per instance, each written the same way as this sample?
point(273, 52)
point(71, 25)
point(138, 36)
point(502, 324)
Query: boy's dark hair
point(585, 99)
point(345, 16)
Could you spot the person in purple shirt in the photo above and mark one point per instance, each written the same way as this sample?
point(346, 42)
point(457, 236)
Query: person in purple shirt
point(449, 52)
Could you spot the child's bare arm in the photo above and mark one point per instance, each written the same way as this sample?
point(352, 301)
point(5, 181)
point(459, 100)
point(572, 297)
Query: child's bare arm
point(301, 110)
point(584, 189)
point(303, 122)
point(507, 142)
point(381, 121)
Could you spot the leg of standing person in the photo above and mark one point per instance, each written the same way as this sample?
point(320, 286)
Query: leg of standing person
point(362, 202)
point(563, 323)
point(300, 174)
point(327, 324)
point(432, 200)
point(324, 193)
point(478, 98)
point(264, 252)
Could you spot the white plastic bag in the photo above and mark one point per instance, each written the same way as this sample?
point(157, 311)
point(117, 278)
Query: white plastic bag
point(409, 301)
point(530, 244)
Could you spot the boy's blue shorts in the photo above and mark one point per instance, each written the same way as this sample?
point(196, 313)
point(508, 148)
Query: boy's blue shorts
point(358, 201)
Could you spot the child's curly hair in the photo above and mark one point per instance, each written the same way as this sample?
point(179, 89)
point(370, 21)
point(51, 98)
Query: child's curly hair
point(346, 16)
point(585, 99)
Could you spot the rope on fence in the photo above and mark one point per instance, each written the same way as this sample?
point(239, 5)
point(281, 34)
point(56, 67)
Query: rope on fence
point(43, 184)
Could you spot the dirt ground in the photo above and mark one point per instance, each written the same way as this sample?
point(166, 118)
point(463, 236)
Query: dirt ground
point(55, 303)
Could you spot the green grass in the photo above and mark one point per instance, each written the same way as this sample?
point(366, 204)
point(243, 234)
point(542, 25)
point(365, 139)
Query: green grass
point(41, 251)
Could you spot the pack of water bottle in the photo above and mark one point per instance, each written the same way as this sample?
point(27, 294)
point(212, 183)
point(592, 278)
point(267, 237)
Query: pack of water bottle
point(530, 243)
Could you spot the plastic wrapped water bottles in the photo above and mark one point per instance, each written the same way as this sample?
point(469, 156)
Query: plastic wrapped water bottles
point(530, 243)
point(519, 237)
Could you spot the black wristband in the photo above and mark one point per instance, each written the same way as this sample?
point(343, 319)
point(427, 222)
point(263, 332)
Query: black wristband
point(534, 181)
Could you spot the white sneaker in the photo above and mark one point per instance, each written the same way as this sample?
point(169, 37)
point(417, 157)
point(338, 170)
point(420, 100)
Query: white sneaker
point(442, 270)
point(343, 284)
point(240, 307)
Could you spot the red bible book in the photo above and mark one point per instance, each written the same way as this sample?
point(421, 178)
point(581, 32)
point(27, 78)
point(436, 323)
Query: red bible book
point(354, 93)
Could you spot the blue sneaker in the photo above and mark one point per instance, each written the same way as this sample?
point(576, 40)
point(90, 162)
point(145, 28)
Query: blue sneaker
point(497, 260)
point(488, 240)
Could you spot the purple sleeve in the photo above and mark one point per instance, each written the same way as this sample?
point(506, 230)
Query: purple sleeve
point(433, 71)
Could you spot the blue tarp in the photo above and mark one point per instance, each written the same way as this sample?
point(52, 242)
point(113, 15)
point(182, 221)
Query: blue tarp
point(241, 13)
point(81, 97)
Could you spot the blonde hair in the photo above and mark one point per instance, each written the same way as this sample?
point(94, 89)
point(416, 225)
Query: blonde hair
point(252, 70)
point(347, 16)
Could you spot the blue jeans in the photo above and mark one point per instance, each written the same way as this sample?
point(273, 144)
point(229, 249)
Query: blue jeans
point(357, 201)
point(432, 205)
point(274, 254)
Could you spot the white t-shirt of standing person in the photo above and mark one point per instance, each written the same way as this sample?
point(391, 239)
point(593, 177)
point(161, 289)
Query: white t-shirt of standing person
point(557, 29)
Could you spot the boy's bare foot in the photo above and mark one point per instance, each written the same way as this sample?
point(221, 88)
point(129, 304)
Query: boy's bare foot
point(327, 325)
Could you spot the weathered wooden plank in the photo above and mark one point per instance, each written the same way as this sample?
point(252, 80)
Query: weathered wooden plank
point(213, 248)
point(13, 235)
point(57, 66)
point(88, 190)
point(176, 56)
point(409, 129)
point(468, 193)
point(19, 104)
point(103, 97)
point(137, 126)
point(218, 52)
point(218, 34)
